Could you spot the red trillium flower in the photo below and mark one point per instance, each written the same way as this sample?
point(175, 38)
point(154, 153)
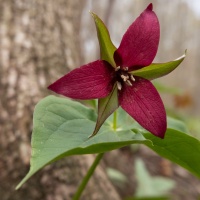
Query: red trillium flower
point(136, 95)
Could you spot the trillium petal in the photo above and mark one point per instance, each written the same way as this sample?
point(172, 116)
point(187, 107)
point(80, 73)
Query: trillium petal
point(94, 80)
point(143, 103)
point(140, 42)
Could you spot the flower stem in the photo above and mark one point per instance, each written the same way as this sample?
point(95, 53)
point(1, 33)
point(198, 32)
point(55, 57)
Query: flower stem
point(115, 120)
point(87, 177)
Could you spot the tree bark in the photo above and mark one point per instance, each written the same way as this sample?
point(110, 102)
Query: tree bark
point(39, 42)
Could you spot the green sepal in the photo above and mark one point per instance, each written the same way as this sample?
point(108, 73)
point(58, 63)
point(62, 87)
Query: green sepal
point(107, 48)
point(106, 106)
point(156, 70)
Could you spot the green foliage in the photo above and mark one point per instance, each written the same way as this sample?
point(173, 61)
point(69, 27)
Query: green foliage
point(150, 186)
point(178, 147)
point(61, 127)
point(177, 125)
point(162, 88)
point(116, 176)
point(193, 125)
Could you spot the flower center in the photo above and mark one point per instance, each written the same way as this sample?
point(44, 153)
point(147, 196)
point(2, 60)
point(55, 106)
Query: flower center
point(123, 77)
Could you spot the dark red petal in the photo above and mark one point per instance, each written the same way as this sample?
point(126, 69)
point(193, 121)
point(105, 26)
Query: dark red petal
point(142, 102)
point(140, 42)
point(91, 81)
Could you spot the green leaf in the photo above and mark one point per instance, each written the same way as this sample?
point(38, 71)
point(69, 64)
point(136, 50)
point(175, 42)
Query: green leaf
point(61, 127)
point(177, 125)
point(116, 176)
point(106, 106)
point(107, 48)
point(149, 186)
point(178, 147)
point(163, 88)
point(157, 70)
point(92, 103)
point(124, 121)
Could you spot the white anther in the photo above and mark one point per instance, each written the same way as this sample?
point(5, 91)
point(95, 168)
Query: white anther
point(132, 78)
point(128, 83)
point(125, 78)
point(119, 85)
point(117, 68)
point(125, 68)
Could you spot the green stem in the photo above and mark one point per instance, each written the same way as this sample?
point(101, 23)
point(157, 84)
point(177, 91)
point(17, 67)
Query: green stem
point(87, 177)
point(115, 120)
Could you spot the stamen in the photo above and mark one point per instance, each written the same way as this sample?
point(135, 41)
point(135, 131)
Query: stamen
point(117, 68)
point(132, 78)
point(125, 78)
point(119, 85)
point(125, 68)
point(128, 83)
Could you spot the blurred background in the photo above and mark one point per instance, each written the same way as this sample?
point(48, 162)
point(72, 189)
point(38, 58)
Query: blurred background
point(40, 40)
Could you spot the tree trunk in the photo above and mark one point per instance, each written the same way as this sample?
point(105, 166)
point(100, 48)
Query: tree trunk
point(39, 42)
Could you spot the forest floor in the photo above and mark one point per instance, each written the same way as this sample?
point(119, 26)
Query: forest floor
point(187, 186)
